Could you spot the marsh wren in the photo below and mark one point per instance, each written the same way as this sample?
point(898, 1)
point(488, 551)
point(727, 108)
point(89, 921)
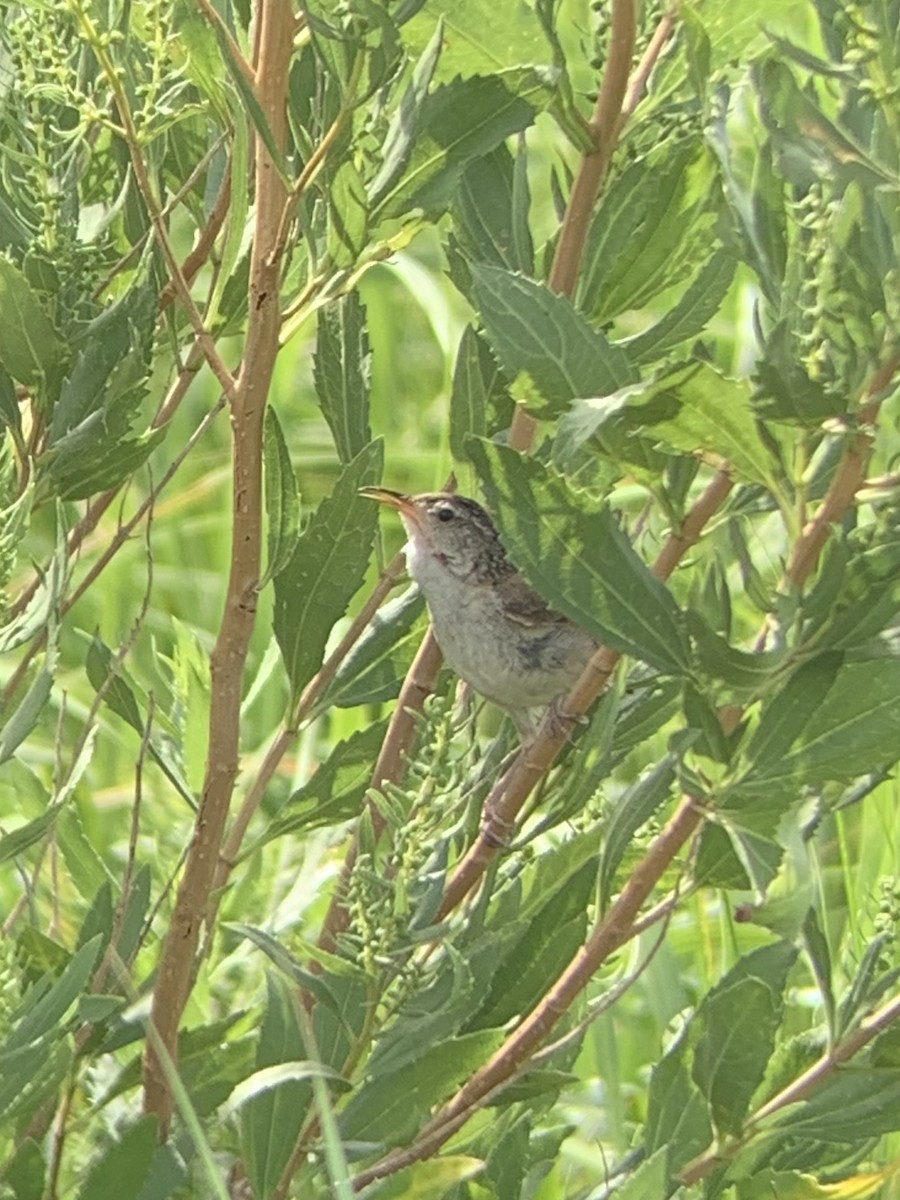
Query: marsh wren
point(493, 628)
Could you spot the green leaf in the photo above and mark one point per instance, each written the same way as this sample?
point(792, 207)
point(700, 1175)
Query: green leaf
point(653, 224)
point(479, 36)
point(427, 1180)
point(43, 1016)
point(335, 792)
point(714, 415)
point(634, 807)
point(125, 1166)
point(348, 217)
point(827, 724)
point(460, 122)
point(342, 374)
point(856, 1103)
point(479, 389)
point(18, 841)
point(375, 668)
point(85, 466)
point(21, 722)
point(677, 1116)
point(29, 347)
point(285, 961)
point(87, 870)
point(112, 359)
point(272, 1118)
point(405, 126)
point(737, 1023)
point(326, 569)
point(119, 695)
point(10, 416)
point(536, 332)
point(490, 212)
point(738, 1027)
point(579, 560)
point(282, 497)
point(690, 316)
point(389, 1108)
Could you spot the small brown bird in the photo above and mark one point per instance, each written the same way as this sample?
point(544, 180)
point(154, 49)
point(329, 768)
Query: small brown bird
point(494, 629)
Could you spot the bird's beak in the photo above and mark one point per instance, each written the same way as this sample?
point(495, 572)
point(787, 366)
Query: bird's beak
point(386, 496)
point(399, 500)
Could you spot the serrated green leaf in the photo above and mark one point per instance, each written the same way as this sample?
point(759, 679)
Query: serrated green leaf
point(119, 695)
point(738, 1020)
point(856, 1103)
point(87, 461)
point(580, 561)
point(738, 1027)
point(21, 722)
point(479, 36)
point(677, 1115)
point(326, 569)
point(282, 496)
point(87, 869)
point(478, 389)
point(112, 357)
point(536, 332)
point(124, 1168)
point(29, 346)
point(342, 374)
point(18, 841)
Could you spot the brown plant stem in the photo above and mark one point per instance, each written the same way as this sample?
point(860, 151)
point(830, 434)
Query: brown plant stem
point(610, 933)
point(228, 658)
point(507, 798)
point(848, 478)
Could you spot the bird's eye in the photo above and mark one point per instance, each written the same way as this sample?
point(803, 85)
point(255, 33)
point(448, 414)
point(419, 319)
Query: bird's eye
point(445, 513)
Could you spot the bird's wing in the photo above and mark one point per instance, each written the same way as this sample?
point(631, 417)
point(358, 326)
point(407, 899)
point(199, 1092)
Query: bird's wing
point(521, 603)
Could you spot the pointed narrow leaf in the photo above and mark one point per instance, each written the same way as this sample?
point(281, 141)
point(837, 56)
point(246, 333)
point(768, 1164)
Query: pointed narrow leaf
point(404, 128)
point(282, 497)
point(341, 371)
point(537, 332)
point(824, 726)
point(691, 314)
point(580, 561)
point(326, 569)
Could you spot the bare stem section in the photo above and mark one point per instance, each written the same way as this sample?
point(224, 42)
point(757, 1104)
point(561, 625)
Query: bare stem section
point(229, 655)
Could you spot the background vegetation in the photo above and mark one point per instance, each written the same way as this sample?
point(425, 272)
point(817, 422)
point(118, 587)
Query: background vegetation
point(276, 922)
